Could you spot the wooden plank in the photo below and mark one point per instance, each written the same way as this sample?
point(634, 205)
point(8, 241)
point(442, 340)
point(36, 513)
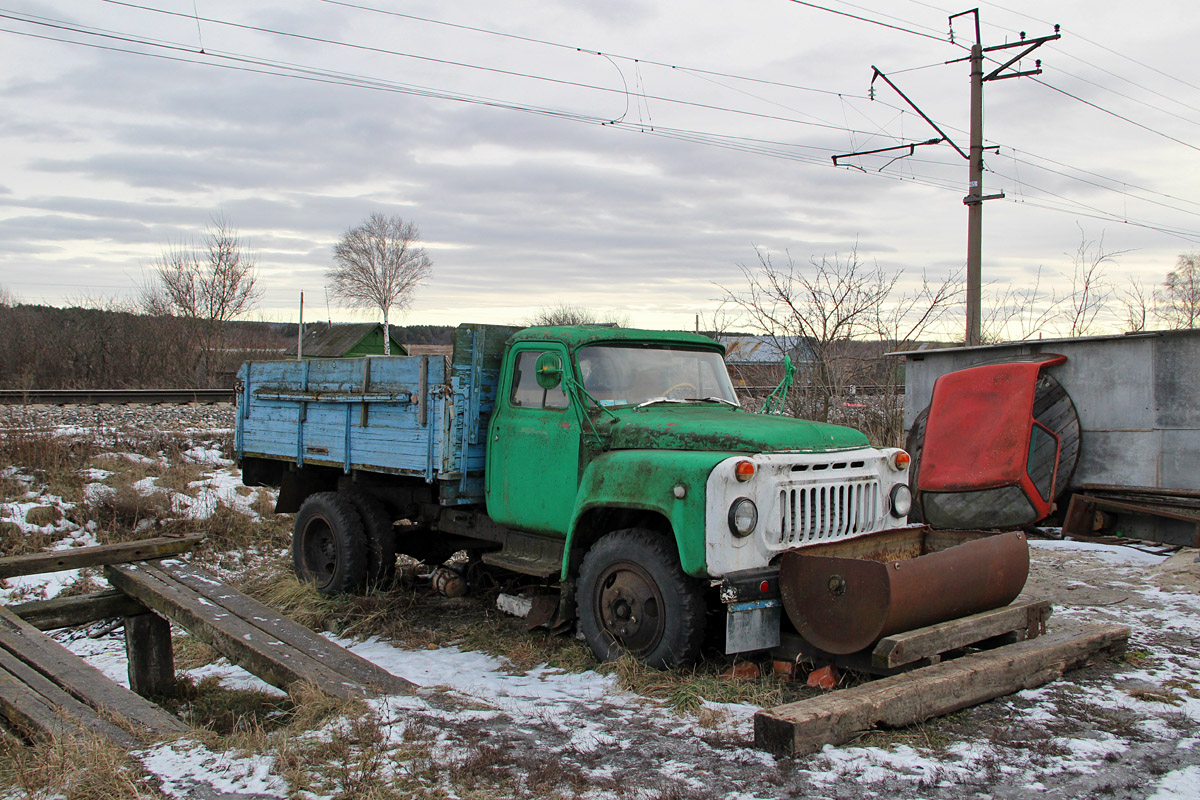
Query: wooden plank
point(236, 638)
point(72, 612)
point(151, 659)
point(35, 705)
point(903, 648)
point(81, 679)
point(271, 622)
point(58, 560)
point(837, 717)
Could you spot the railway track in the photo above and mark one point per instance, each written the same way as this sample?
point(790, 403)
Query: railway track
point(116, 397)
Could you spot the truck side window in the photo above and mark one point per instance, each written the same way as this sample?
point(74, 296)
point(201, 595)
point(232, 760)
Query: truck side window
point(525, 390)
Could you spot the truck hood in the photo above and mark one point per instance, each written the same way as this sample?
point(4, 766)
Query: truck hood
point(677, 427)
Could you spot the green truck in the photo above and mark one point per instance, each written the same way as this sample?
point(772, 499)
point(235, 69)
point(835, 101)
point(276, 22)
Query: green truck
point(616, 464)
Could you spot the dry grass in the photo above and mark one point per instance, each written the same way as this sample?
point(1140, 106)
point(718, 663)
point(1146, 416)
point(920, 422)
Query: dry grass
point(83, 768)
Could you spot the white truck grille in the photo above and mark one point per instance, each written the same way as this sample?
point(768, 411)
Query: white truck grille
point(822, 511)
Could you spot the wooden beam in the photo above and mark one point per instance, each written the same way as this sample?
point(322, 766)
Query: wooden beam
point(1028, 617)
point(58, 560)
point(80, 679)
point(835, 718)
point(73, 612)
point(151, 659)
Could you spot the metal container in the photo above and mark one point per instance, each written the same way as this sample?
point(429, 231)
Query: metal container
point(843, 597)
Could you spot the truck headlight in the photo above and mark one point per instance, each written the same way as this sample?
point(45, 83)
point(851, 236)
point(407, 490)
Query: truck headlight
point(901, 499)
point(743, 517)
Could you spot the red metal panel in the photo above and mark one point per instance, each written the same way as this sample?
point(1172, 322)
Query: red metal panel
point(978, 429)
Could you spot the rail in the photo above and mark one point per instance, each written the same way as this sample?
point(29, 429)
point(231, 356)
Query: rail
point(64, 397)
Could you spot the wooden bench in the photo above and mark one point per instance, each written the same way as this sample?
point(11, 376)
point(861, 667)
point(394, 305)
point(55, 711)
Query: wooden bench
point(47, 690)
point(252, 635)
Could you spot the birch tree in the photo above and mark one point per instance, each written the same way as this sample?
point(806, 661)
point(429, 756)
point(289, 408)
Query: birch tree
point(378, 265)
point(207, 284)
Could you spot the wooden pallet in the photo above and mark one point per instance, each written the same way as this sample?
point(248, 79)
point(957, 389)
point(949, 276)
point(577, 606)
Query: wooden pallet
point(248, 633)
point(46, 690)
point(910, 697)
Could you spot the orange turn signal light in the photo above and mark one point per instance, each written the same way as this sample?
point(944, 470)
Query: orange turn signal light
point(900, 460)
point(744, 470)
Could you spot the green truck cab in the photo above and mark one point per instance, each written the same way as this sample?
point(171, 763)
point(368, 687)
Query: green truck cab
point(614, 463)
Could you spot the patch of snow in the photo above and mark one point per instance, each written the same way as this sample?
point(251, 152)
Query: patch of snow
point(185, 768)
point(1110, 552)
point(1178, 785)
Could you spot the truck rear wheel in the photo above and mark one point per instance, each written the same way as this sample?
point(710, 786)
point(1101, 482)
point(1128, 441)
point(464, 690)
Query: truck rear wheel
point(380, 538)
point(634, 598)
point(329, 547)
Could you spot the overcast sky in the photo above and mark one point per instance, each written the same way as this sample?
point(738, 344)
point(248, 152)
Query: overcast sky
point(625, 155)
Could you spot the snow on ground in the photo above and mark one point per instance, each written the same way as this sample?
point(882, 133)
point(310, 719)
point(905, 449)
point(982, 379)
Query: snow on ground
point(1123, 730)
point(1126, 731)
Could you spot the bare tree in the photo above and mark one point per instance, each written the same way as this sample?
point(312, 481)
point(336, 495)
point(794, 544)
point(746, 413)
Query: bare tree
point(206, 284)
point(1020, 314)
point(1136, 305)
point(7, 298)
point(1090, 291)
point(1178, 301)
point(378, 265)
point(573, 314)
point(839, 311)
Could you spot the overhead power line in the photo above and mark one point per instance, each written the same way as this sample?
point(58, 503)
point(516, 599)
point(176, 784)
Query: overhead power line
point(750, 145)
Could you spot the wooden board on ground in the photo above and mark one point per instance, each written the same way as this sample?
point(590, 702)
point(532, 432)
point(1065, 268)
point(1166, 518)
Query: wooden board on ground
point(899, 700)
point(252, 635)
point(42, 674)
point(58, 560)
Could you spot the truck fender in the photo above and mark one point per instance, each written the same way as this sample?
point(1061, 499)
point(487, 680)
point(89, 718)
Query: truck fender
point(668, 484)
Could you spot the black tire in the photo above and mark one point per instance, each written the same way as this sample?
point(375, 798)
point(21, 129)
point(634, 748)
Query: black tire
point(380, 538)
point(633, 597)
point(329, 548)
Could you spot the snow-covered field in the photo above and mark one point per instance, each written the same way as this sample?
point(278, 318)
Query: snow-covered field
point(1126, 730)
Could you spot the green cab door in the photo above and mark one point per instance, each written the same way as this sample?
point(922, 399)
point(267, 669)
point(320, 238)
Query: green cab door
point(533, 445)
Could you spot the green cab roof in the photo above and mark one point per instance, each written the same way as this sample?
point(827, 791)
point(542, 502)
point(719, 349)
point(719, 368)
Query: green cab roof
point(576, 336)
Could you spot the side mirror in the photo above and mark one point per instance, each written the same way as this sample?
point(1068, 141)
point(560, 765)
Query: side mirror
point(549, 370)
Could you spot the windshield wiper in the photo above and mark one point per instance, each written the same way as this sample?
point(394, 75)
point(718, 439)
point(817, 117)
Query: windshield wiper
point(712, 399)
point(660, 399)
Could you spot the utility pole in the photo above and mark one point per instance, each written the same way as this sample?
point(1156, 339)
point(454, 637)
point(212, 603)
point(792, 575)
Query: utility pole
point(974, 155)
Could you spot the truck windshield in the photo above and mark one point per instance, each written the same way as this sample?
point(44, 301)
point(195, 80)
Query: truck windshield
point(618, 375)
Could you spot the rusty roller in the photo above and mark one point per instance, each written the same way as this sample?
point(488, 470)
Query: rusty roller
point(845, 604)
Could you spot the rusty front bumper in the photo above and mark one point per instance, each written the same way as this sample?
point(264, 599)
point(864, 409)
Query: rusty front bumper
point(844, 596)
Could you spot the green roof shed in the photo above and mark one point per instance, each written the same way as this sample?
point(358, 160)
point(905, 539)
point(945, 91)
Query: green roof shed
point(346, 340)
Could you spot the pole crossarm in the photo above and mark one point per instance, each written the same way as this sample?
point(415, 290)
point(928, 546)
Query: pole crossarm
point(924, 116)
point(1033, 44)
point(911, 148)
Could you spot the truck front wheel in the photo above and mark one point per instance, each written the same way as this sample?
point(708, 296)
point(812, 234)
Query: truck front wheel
point(329, 547)
point(634, 598)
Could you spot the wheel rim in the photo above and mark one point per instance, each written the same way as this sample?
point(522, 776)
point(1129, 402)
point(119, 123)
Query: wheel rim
point(320, 551)
point(629, 606)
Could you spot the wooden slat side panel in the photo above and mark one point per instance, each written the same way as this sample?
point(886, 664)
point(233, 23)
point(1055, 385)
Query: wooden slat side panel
point(84, 609)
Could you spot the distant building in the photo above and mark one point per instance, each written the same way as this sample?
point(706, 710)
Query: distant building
point(346, 340)
point(757, 361)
